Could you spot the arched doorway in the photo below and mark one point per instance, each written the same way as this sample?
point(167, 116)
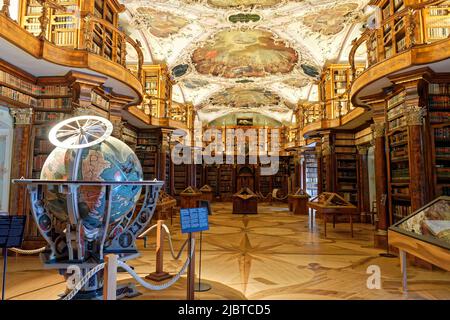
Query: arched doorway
point(246, 178)
point(6, 138)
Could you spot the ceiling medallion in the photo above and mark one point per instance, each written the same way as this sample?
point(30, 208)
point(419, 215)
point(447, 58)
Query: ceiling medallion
point(227, 4)
point(244, 18)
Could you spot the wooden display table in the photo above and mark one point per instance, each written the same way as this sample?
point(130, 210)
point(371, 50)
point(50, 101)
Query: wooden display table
point(245, 202)
point(189, 198)
point(207, 193)
point(424, 234)
point(332, 204)
point(298, 202)
point(164, 207)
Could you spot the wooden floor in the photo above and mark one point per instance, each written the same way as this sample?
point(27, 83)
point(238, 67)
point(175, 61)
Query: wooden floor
point(272, 255)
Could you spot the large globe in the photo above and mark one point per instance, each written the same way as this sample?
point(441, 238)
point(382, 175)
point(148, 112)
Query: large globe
point(109, 160)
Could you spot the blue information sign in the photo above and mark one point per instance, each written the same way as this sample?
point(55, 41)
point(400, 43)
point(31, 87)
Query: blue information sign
point(194, 220)
point(11, 231)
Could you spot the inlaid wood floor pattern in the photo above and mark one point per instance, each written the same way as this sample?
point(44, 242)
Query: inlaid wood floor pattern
point(272, 255)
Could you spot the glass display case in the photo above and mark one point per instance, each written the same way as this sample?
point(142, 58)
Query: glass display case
point(430, 223)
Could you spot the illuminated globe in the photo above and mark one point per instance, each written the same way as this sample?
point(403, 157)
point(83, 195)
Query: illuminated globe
point(86, 152)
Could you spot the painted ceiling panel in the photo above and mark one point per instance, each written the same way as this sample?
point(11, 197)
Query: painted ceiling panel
point(223, 48)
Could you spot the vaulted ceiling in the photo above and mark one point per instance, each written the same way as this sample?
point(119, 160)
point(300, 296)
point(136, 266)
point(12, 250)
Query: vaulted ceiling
point(256, 56)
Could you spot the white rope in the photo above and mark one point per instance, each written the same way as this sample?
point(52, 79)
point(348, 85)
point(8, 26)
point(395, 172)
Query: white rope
point(83, 281)
point(148, 230)
point(22, 251)
point(172, 251)
point(164, 285)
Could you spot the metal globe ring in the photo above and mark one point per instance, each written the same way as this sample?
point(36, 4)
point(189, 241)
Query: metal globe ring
point(80, 132)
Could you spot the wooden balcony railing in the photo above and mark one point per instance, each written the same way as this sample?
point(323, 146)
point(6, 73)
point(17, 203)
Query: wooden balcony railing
point(106, 40)
point(89, 33)
point(409, 27)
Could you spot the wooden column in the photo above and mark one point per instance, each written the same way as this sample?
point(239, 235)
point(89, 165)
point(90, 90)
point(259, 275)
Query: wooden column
point(417, 185)
point(381, 184)
point(363, 182)
point(82, 85)
point(21, 166)
point(21, 159)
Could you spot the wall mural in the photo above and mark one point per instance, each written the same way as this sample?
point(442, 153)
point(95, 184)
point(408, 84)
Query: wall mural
point(160, 24)
point(244, 53)
point(330, 22)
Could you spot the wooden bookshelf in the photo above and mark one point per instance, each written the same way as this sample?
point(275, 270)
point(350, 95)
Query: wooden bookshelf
point(437, 22)
point(147, 152)
point(179, 178)
point(397, 139)
point(158, 91)
point(334, 87)
point(311, 173)
point(346, 167)
point(130, 136)
point(438, 100)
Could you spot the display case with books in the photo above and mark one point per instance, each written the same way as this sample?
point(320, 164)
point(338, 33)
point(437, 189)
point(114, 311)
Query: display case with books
point(425, 233)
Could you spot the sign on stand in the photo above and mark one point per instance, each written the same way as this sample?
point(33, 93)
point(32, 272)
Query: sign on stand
point(11, 236)
point(193, 220)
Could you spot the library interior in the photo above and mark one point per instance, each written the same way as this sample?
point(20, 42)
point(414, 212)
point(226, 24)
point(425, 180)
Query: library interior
point(225, 149)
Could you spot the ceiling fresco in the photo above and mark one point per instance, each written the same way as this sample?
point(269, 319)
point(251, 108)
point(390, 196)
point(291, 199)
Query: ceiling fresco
point(244, 98)
point(244, 53)
point(241, 50)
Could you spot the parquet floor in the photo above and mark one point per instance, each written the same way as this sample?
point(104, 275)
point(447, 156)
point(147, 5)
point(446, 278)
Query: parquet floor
point(272, 255)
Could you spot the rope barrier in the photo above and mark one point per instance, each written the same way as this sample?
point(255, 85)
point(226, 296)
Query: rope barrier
point(147, 231)
point(127, 268)
point(83, 281)
point(22, 251)
point(172, 251)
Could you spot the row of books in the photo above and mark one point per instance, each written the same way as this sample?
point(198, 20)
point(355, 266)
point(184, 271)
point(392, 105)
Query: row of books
point(397, 152)
point(400, 211)
point(49, 116)
point(399, 137)
point(436, 117)
point(443, 152)
point(99, 100)
point(439, 88)
point(438, 32)
point(439, 102)
point(396, 99)
point(34, 89)
point(397, 123)
point(43, 146)
point(54, 103)
point(38, 161)
point(146, 141)
point(443, 171)
point(18, 96)
point(143, 149)
point(63, 37)
point(442, 133)
point(392, 113)
point(400, 173)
